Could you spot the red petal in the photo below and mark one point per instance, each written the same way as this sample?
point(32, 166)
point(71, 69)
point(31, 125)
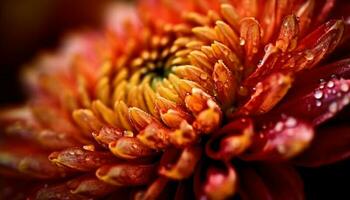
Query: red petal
point(310, 51)
point(267, 94)
point(26, 160)
point(57, 192)
point(231, 140)
point(217, 181)
point(321, 104)
point(89, 186)
point(271, 181)
point(252, 186)
point(280, 140)
point(332, 144)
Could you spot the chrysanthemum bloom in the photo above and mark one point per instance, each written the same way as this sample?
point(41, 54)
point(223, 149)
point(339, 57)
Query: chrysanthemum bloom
point(183, 99)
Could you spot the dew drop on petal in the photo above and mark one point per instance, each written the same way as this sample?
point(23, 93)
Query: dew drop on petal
point(309, 55)
point(330, 84)
point(204, 76)
point(241, 41)
point(346, 100)
point(318, 94)
point(318, 103)
point(344, 87)
point(333, 107)
point(291, 122)
point(279, 127)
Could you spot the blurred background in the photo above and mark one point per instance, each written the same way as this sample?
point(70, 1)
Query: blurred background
point(27, 26)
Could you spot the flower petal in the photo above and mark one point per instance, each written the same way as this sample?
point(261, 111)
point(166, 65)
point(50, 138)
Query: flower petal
point(90, 186)
point(130, 148)
point(231, 140)
point(57, 192)
point(267, 94)
point(106, 135)
point(126, 174)
point(79, 159)
point(271, 181)
point(309, 52)
point(217, 181)
point(179, 165)
point(27, 161)
point(280, 139)
point(332, 144)
point(321, 104)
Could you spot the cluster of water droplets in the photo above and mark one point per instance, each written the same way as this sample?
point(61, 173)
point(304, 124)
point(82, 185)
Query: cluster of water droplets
point(329, 88)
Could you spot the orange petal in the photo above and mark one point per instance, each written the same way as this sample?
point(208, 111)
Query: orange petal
point(225, 84)
point(126, 174)
point(130, 148)
point(267, 94)
point(179, 165)
point(79, 159)
point(231, 140)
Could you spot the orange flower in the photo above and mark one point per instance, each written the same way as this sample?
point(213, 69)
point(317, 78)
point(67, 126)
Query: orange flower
point(180, 100)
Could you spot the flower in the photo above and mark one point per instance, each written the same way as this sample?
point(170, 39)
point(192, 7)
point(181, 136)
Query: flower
point(180, 100)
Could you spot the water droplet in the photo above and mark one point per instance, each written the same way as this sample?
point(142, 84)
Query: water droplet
point(322, 80)
point(204, 76)
point(318, 103)
point(330, 84)
point(344, 87)
point(267, 47)
point(279, 127)
point(309, 55)
point(255, 50)
point(79, 152)
point(241, 41)
point(346, 100)
point(134, 146)
point(291, 122)
point(318, 94)
point(333, 107)
point(61, 136)
point(281, 148)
